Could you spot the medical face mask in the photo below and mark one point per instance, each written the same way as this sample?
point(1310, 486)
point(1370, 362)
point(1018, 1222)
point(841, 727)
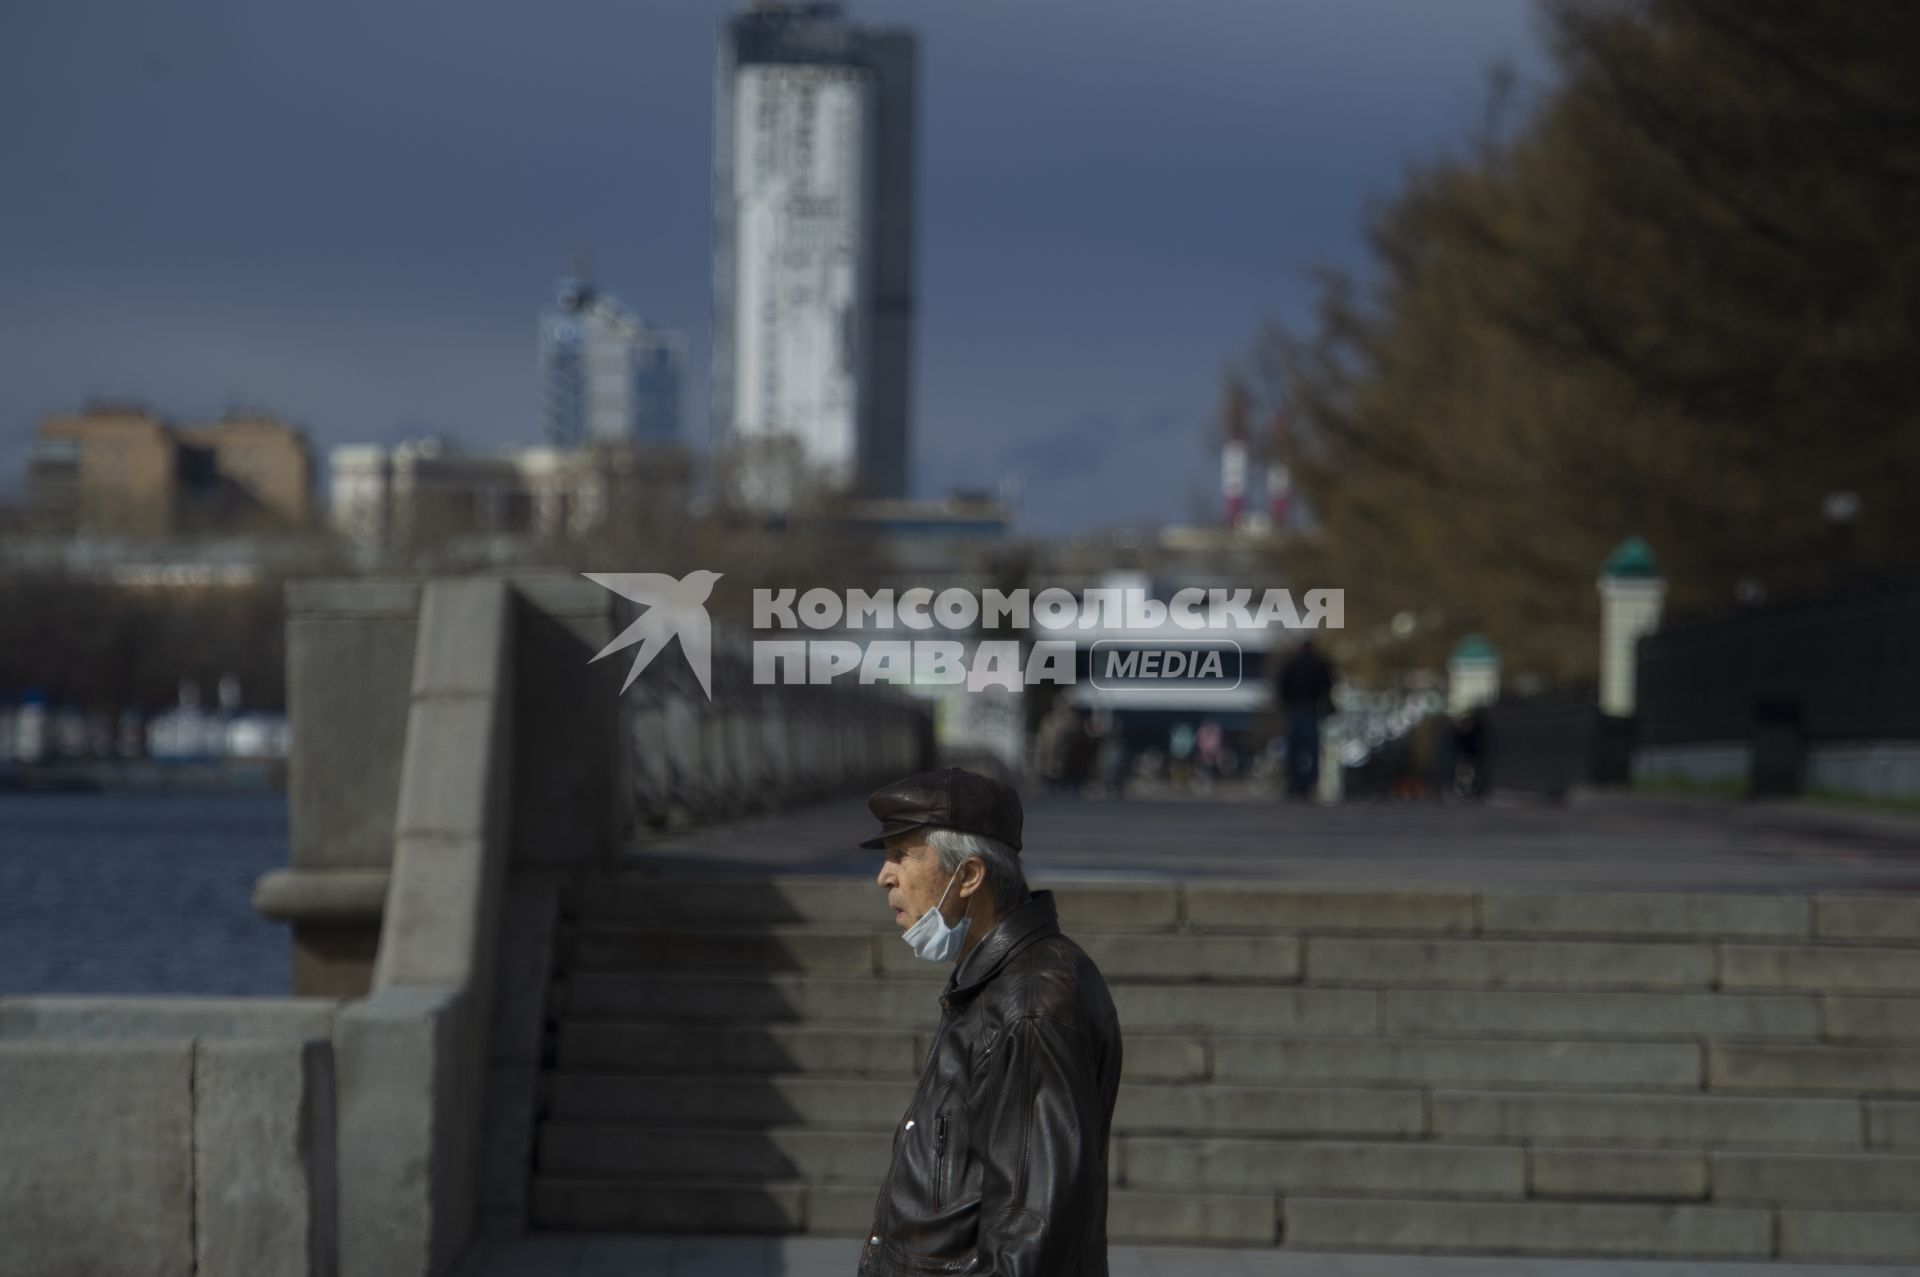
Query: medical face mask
point(931, 937)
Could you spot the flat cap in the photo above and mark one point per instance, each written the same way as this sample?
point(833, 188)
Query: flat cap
point(951, 798)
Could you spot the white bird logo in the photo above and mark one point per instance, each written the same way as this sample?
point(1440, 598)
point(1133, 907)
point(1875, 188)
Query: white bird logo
point(674, 607)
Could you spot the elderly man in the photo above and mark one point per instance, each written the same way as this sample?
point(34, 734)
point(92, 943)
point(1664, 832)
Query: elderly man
point(1000, 1164)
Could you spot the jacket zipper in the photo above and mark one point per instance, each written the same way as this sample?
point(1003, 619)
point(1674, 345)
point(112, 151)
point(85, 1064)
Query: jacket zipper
point(940, 1160)
point(933, 1053)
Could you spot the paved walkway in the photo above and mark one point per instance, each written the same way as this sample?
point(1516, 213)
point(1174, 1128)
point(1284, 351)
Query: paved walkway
point(1624, 841)
point(566, 1255)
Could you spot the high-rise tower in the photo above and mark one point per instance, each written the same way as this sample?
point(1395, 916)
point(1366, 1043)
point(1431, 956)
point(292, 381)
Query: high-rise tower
point(813, 263)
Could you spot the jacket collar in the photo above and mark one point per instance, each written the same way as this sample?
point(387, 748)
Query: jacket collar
point(1026, 923)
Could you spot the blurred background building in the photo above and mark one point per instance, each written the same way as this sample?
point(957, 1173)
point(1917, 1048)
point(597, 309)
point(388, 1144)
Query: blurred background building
point(606, 373)
point(388, 502)
point(813, 263)
point(119, 469)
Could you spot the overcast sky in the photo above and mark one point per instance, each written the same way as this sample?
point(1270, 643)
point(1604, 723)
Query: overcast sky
point(349, 212)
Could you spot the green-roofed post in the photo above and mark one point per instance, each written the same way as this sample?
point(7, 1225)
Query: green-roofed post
point(1473, 675)
point(1632, 593)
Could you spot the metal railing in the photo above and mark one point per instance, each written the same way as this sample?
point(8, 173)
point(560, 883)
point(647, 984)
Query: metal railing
point(1849, 663)
point(760, 747)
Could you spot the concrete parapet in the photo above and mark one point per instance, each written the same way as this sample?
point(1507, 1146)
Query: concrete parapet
point(341, 897)
point(404, 1146)
point(96, 1158)
point(349, 671)
point(126, 1150)
point(264, 1159)
point(110, 1018)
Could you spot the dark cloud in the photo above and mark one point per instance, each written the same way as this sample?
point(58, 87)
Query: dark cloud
point(351, 211)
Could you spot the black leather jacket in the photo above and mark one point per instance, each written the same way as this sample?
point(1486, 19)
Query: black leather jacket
point(1000, 1163)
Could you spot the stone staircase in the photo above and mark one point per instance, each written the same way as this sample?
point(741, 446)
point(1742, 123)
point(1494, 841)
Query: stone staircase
point(1575, 1072)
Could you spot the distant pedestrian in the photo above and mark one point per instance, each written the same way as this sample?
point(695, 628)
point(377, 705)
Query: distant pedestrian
point(1469, 737)
point(1110, 754)
point(1304, 688)
point(1058, 749)
point(1210, 745)
point(1180, 740)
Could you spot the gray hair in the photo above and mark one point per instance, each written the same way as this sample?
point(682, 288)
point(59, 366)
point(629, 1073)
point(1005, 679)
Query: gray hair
point(1006, 881)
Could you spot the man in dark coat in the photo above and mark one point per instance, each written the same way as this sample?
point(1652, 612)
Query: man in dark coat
point(999, 1165)
point(1304, 688)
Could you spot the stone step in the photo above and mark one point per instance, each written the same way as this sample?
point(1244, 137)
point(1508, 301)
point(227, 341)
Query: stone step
point(1851, 1236)
point(639, 1100)
point(598, 1046)
point(1647, 1120)
point(1218, 1009)
point(1264, 906)
point(1323, 1167)
point(733, 901)
point(1377, 962)
point(1571, 1119)
point(852, 1105)
point(1822, 968)
point(1371, 962)
point(1613, 1016)
point(792, 1206)
point(1628, 1174)
point(607, 1046)
point(1886, 918)
point(1427, 1062)
point(1893, 1124)
point(782, 947)
point(725, 1156)
point(1236, 1164)
point(665, 1047)
point(855, 952)
point(1135, 958)
point(1844, 1019)
point(1615, 1229)
point(793, 998)
point(1834, 1070)
point(1856, 1181)
point(861, 1158)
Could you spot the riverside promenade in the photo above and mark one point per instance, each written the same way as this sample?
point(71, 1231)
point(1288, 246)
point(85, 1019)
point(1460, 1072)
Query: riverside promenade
point(1597, 840)
point(1626, 1036)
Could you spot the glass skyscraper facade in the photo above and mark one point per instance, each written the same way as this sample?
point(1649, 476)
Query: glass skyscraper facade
point(605, 373)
